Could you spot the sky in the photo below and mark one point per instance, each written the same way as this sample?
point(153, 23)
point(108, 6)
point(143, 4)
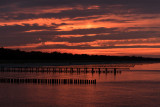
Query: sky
point(99, 27)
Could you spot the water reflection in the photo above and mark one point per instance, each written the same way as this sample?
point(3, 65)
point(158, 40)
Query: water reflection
point(115, 89)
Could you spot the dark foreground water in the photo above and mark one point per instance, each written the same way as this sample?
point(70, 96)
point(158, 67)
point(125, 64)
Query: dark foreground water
point(137, 87)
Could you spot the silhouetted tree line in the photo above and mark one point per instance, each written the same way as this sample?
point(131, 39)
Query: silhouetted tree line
point(8, 54)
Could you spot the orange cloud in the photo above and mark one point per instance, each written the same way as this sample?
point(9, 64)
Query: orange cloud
point(117, 51)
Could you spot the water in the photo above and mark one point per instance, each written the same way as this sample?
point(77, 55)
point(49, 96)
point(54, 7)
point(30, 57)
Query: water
point(139, 86)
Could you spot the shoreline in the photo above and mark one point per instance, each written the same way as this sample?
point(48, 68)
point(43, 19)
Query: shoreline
point(64, 63)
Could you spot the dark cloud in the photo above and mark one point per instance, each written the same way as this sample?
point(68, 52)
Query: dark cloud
point(20, 29)
point(86, 18)
point(33, 3)
point(63, 14)
point(114, 20)
point(63, 46)
point(16, 35)
point(11, 29)
point(9, 8)
point(112, 36)
point(73, 32)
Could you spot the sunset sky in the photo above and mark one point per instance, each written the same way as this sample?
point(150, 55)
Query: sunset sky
point(103, 27)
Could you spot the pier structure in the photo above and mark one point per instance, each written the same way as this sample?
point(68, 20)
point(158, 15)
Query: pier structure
point(74, 68)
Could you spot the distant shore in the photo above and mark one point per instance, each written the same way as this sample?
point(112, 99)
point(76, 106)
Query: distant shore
point(17, 56)
point(76, 61)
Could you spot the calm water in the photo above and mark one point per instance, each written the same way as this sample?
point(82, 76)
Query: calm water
point(139, 86)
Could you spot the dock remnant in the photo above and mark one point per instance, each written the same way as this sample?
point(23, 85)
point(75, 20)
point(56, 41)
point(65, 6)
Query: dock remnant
point(47, 81)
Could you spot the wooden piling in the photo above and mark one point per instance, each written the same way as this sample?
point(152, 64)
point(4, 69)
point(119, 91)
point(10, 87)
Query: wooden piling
point(47, 81)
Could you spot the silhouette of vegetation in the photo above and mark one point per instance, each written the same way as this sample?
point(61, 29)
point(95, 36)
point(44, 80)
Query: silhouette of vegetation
point(8, 54)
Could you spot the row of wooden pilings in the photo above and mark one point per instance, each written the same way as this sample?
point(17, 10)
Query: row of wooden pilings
point(47, 81)
point(52, 69)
